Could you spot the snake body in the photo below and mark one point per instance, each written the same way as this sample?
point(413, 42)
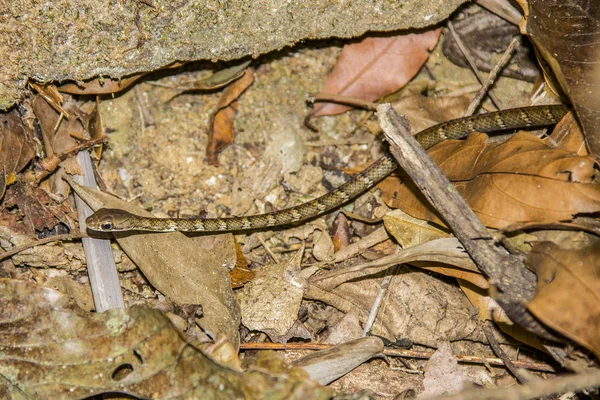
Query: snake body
point(108, 220)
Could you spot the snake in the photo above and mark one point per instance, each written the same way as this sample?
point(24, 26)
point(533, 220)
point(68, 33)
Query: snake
point(114, 220)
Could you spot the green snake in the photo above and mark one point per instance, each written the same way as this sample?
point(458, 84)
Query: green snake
point(110, 220)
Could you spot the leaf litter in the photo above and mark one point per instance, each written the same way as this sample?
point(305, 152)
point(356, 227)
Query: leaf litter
point(163, 169)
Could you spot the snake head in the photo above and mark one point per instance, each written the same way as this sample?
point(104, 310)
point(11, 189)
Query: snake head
point(107, 220)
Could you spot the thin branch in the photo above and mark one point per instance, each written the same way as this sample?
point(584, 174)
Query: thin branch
point(471, 62)
point(491, 78)
point(50, 239)
point(350, 101)
point(422, 355)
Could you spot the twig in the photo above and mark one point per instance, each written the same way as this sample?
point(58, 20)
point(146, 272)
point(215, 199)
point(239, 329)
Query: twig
point(267, 248)
point(532, 390)
point(489, 334)
point(383, 287)
point(423, 355)
point(351, 101)
point(515, 282)
point(491, 78)
point(145, 115)
point(50, 239)
point(377, 236)
point(471, 62)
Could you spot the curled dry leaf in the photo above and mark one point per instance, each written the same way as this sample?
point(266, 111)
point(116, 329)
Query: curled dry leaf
point(16, 147)
point(375, 67)
point(53, 349)
point(221, 127)
point(100, 85)
point(221, 78)
point(328, 365)
point(270, 303)
point(34, 210)
point(518, 181)
point(567, 36)
point(568, 292)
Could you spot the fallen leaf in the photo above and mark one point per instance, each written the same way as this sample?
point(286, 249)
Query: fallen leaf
point(326, 366)
point(222, 77)
point(568, 291)
point(443, 375)
point(270, 303)
point(323, 248)
point(173, 265)
point(53, 349)
point(489, 309)
point(518, 181)
point(342, 236)
point(104, 85)
point(375, 67)
point(16, 147)
point(409, 231)
point(221, 133)
point(487, 36)
point(567, 36)
point(33, 210)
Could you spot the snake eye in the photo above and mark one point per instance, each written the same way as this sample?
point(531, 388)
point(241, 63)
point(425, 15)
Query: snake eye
point(107, 226)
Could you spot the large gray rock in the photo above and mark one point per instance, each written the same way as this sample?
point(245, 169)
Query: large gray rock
point(75, 40)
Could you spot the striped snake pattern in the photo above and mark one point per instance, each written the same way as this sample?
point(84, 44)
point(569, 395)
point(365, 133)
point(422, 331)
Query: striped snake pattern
point(110, 220)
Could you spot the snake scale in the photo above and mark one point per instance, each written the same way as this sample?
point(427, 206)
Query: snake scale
point(109, 220)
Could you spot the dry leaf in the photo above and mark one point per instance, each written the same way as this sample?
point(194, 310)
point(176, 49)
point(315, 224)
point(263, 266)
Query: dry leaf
point(326, 366)
point(173, 265)
point(221, 128)
point(443, 375)
point(100, 85)
point(270, 303)
point(489, 309)
point(221, 132)
point(409, 231)
point(486, 36)
point(16, 147)
point(222, 77)
point(521, 180)
point(568, 37)
point(568, 291)
point(376, 66)
point(52, 349)
point(34, 210)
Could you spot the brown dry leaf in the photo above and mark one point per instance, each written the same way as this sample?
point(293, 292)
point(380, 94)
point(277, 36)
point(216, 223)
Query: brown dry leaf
point(568, 136)
point(221, 78)
point(270, 303)
point(172, 264)
point(221, 132)
point(16, 147)
point(100, 85)
point(568, 291)
point(568, 37)
point(221, 128)
point(489, 309)
point(375, 67)
point(52, 96)
point(33, 210)
point(423, 112)
point(53, 349)
point(409, 232)
point(520, 180)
